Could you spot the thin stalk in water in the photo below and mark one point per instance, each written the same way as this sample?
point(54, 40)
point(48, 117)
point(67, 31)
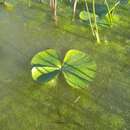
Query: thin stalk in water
point(90, 21)
point(111, 11)
point(95, 28)
point(53, 6)
point(108, 10)
point(74, 8)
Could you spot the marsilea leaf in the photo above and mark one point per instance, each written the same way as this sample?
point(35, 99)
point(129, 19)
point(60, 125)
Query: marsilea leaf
point(78, 69)
point(45, 65)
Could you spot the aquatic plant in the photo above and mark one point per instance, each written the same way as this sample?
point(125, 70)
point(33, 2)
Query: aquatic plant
point(74, 7)
point(91, 17)
point(94, 20)
point(53, 6)
point(95, 26)
point(110, 11)
point(77, 67)
point(86, 15)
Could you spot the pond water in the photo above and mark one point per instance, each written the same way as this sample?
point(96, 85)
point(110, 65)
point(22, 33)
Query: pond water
point(26, 105)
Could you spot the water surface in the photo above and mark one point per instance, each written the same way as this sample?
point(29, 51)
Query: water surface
point(26, 105)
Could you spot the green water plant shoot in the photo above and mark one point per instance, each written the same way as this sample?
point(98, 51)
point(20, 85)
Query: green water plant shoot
point(94, 20)
point(110, 11)
point(91, 17)
point(95, 26)
point(77, 67)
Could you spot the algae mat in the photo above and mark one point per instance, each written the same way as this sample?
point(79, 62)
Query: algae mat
point(25, 105)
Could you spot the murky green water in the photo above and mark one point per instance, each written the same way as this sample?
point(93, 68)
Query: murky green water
point(25, 105)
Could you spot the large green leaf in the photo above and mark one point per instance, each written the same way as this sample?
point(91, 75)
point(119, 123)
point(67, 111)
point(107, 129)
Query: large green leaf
point(46, 65)
point(78, 68)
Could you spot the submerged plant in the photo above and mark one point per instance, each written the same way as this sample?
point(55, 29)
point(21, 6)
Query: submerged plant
point(77, 67)
point(94, 20)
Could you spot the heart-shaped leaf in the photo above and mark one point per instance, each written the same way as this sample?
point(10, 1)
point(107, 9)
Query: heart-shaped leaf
point(78, 69)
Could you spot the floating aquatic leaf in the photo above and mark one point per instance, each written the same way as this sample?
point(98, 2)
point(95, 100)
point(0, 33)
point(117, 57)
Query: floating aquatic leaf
point(101, 21)
point(45, 65)
point(78, 68)
point(84, 15)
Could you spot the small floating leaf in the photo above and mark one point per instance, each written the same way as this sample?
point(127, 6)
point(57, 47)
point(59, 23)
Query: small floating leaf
point(78, 68)
point(45, 65)
point(84, 15)
point(101, 21)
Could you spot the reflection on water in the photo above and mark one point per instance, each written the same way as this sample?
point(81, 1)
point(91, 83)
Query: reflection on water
point(25, 105)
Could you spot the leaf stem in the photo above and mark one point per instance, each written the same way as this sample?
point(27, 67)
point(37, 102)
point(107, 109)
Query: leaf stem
point(90, 21)
point(95, 23)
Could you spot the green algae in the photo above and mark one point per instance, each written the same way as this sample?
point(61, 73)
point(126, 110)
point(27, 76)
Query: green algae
point(24, 105)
